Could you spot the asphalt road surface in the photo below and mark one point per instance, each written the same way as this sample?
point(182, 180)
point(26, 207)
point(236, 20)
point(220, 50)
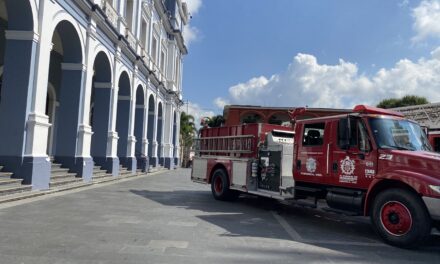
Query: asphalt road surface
point(165, 218)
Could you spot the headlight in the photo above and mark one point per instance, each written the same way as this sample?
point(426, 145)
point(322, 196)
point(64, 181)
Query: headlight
point(435, 188)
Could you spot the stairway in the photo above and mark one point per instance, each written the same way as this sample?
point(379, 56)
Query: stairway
point(125, 173)
point(11, 189)
point(61, 178)
point(156, 169)
point(100, 175)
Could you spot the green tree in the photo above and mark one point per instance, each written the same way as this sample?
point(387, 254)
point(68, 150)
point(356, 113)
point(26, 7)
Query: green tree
point(216, 121)
point(187, 133)
point(407, 100)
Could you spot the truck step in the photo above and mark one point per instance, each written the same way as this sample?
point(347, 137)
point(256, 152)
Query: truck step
point(307, 203)
point(338, 211)
point(307, 189)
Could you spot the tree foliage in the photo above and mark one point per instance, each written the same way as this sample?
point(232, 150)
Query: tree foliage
point(407, 100)
point(216, 121)
point(187, 134)
point(187, 130)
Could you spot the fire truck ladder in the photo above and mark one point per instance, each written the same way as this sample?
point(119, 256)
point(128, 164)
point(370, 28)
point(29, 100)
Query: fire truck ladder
point(426, 115)
point(225, 145)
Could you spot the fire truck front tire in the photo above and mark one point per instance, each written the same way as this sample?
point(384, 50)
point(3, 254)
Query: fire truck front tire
point(220, 187)
point(400, 218)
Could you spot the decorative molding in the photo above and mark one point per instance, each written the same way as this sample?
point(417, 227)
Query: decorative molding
point(103, 85)
point(42, 120)
point(124, 97)
point(21, 35)
point(73, 67)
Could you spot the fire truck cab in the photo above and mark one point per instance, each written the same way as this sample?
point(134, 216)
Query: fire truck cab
point(371, 162)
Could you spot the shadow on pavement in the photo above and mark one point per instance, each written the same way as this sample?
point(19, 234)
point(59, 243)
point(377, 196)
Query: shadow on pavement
point(252, 216)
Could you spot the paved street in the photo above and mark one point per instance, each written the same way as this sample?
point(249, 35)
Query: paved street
point(165, 218)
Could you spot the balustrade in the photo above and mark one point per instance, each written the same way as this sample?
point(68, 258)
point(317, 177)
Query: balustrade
point(110, 12)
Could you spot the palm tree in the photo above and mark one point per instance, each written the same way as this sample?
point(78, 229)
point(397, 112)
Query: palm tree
point(187, 133)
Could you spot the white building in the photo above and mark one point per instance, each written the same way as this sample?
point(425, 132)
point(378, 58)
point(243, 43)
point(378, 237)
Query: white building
point(89, 82)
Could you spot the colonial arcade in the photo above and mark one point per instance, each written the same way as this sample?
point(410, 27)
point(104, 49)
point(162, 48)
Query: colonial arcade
point(89, 83)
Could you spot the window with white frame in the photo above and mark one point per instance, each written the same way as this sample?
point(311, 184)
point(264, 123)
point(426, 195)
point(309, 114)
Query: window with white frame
point(129, 13)
point(144, 31)
point(154, 49)
point(162, 60)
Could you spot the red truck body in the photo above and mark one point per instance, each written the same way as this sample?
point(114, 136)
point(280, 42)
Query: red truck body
point(434, 139)
point(372, 162)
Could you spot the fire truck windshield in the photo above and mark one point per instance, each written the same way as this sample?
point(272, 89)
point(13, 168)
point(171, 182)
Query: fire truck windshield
point(399, 134)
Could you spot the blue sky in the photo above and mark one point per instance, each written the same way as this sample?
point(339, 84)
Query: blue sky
point(323, 53)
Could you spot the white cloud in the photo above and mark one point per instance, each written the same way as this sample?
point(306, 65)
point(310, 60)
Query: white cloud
point(198, 112)
point(404, 3)
point(306, 82)
point(190, 33)
point(220, 102)
point(193, 6)
point(426, 20)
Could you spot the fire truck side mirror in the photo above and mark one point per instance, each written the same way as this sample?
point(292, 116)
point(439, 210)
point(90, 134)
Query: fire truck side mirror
point(426, 130)
point(344, 133)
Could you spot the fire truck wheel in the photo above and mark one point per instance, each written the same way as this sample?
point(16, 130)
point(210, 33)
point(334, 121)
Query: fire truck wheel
point(400, 218)
point(220, 186)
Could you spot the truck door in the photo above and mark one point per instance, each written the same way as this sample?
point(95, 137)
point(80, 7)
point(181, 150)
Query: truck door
point(311, 153)
point(354, 164)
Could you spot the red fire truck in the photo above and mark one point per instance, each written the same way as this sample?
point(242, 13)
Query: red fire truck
point(370, 162)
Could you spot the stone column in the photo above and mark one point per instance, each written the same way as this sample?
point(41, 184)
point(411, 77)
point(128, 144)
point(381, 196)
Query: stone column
point(177, 144)
point(168, 132)
point(69, 129)
point(23, 134)
point(154, 157)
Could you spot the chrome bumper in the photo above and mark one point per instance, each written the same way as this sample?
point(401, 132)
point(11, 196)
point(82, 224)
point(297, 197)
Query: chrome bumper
point(433, 205)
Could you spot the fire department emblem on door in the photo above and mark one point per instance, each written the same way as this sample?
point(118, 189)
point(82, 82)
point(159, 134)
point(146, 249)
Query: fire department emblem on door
point(347, 166)
point(311, 165)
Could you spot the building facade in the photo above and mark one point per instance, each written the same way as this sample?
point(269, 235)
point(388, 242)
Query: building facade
point(89, 82)
point(238, 114)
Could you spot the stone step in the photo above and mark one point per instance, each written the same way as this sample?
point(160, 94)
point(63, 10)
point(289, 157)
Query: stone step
point(94, 177)
point(62, 176)
point(56, 173)
point(55, 165)
point(10, 182)
point(20, 196)
point(66, 187)
point(5, 190)
point(67, 181)
point(65, 170)
point(100, 173)
point(6, 174)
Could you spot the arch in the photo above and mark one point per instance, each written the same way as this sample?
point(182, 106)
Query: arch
point(21, 14)
point(139, 127)
point(120, 69)
point(140, 95)
point(101, 50)
point(69, 37)
point(160, 132)
point(100, 105)
point(251, 117)
point(66, 76)
point(174, 139)
point(123, 116)
point(279, 118)
point(150, 125)
point(63, 17)
point(102, 68)
point(51, 104)
point(124, 84)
